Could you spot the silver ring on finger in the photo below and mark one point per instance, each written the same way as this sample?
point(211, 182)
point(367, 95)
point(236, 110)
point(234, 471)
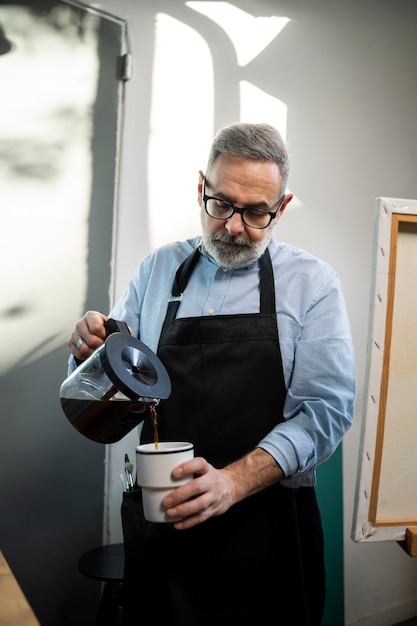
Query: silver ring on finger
point(79, 342)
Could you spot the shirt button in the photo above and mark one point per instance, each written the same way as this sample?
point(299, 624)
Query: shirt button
point(210, 311)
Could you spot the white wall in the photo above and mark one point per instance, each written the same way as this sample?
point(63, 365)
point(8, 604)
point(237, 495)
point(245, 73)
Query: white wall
point(347, 72)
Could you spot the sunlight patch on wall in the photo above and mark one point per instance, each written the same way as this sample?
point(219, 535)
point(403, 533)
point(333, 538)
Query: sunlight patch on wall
point(258, 106)
point(181, 129)
point(182, 109)
point(250, 35)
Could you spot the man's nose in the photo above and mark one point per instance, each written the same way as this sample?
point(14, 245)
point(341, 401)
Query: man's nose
point(234, 224)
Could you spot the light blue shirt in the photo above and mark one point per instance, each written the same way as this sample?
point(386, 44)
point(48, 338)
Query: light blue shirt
point(314, 333)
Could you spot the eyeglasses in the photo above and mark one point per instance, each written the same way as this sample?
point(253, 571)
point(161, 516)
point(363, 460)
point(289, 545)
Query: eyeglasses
point(221, 209)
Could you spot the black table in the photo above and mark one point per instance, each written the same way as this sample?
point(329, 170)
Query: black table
point(106, 564)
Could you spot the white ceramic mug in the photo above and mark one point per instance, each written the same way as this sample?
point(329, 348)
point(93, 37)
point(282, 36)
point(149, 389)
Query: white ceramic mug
point(154, 467)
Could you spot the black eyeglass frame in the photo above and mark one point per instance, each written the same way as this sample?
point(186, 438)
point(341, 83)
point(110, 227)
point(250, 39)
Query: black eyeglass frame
point(241, 211)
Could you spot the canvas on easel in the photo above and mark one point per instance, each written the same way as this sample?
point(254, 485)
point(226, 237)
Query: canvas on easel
point(385, 506)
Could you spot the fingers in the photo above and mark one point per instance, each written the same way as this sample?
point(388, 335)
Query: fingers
point(203, 497)
point(195, 512)
point(88, 335)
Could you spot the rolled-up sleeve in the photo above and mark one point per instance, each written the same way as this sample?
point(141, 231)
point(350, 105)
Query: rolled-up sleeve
point(321, 384)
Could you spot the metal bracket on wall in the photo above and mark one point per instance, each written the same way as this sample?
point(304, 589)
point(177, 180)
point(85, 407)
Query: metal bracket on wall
point(126, 66)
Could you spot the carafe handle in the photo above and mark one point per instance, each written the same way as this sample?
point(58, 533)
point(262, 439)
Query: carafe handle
point(115, 326)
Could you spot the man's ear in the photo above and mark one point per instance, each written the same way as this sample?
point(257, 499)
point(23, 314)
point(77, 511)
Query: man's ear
point(200, 186)
point(287, 199)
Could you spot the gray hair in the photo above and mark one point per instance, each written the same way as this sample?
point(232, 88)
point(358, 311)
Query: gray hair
point(260, 142)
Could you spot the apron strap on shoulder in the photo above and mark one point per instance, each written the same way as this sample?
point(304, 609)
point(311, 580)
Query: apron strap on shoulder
point(267, 298)
point(180, 282)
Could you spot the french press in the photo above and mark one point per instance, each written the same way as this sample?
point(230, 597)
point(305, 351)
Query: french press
point(113, 390)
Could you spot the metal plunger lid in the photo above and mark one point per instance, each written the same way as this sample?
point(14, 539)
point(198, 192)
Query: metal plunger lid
point(132, 367)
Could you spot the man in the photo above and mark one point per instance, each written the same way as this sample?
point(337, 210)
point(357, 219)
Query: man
point(255, 337)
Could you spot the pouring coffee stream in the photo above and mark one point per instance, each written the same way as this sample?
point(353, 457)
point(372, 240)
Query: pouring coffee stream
point(113, 390)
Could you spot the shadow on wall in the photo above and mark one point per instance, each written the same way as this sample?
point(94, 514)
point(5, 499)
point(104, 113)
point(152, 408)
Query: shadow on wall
point(51, 494)
point(59, 130)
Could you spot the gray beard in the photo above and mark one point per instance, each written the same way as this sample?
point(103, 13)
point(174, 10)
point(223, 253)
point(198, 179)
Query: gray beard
point(231, 252)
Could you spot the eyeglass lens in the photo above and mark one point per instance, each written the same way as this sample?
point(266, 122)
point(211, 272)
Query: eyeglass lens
point(222, 210)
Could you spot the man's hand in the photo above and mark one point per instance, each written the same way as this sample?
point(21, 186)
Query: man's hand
point(89, 334)
point(212, 491)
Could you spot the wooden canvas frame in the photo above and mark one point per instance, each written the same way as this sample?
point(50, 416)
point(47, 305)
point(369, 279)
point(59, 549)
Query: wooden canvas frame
point(385, 502)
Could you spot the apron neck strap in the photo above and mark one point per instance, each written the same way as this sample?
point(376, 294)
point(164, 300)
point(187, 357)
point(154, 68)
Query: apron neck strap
point(183, 273)
point(181, 279)
point(267, 287)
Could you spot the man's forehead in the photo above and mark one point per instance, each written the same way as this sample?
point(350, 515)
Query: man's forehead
point(244, 173)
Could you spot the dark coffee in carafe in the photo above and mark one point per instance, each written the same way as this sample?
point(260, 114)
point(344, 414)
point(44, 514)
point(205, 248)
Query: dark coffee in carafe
point(113, 390)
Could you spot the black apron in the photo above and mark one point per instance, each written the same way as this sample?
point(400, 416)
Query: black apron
point(263, 558)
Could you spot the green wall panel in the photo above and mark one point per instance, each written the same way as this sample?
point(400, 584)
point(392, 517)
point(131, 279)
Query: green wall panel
point(330, 498)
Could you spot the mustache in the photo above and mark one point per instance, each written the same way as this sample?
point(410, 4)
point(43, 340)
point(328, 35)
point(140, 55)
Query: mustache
point(235, 239)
